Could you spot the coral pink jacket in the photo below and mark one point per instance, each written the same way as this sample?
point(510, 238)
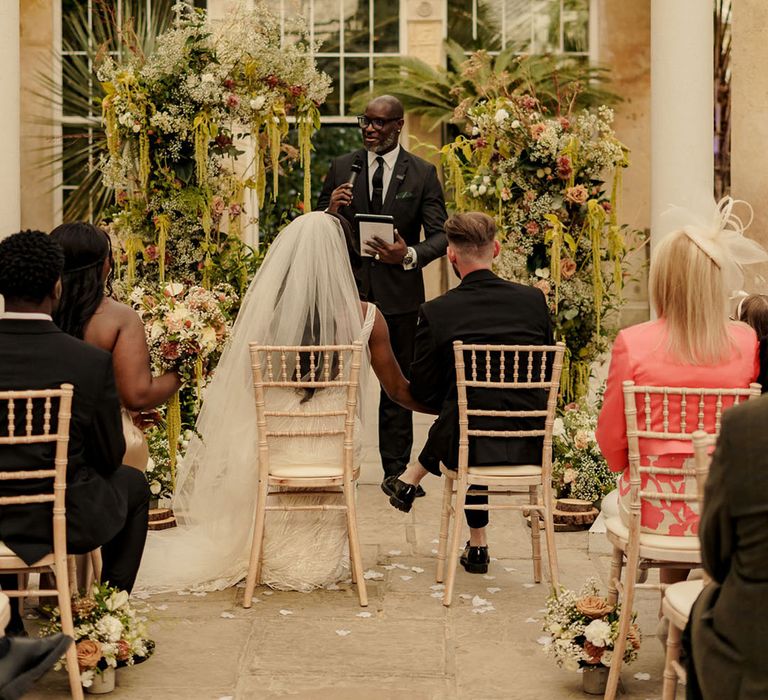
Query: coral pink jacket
point(640, 354)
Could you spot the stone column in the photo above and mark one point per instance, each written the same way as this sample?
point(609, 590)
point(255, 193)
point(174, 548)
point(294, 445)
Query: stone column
point(749, 126)
point(10, 119)
point(682, 161)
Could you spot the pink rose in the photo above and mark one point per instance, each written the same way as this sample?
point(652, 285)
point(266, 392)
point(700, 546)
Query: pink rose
point(532, 228)
point(543, 285)
point(235, 210)
point(564, 168)
point(567, 268)
point(529, 103)
point(233, 101)
point(218, 205)
point(537, 130)
point(577, 194)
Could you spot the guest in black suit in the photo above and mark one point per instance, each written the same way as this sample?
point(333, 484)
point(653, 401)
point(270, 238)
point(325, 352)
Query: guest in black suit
point(397, 183)
point(482, 309)
point(107, 503)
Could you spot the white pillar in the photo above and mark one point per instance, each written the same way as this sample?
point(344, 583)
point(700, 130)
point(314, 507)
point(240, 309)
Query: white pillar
point(10, 119)
point(682, 161)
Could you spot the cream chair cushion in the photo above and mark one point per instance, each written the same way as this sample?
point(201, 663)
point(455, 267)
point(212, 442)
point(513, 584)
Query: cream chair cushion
point(515, 470)
point(6, 551)
point(666, 548)
point(307, 471)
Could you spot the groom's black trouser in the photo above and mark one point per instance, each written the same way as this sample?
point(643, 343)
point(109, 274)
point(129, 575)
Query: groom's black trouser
point(396, 422)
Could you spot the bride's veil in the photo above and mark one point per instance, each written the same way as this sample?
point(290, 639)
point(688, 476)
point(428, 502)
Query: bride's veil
point(304, 286)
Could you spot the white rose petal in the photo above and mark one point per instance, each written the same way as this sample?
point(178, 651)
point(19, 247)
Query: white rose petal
point(394, 552)
point(343, 633)
point(227, 616)
point(642, 676)
point(373, 575)
point(493, 590)
point(406, 578)
point(286, 612)
point(500, 116)
point(417, 569)
point(364, 614)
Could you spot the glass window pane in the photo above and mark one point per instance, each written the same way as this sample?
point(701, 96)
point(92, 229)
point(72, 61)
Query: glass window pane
point(489, 24)
point(356, 26)
point(327, 25)
point(386, 26)
point(71, 12)
point(76, 83)
point(357, 77)
point(546, 26)
point(330, 66)
point(75, 154)
point(517, 24)
point(576, 25)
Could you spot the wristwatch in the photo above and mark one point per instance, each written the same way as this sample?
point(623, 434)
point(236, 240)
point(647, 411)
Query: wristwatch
point(410, 260)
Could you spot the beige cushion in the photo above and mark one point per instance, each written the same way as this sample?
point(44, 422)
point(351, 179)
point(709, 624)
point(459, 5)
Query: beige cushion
point(679, 599)
point(662, 547)
point(5, 613)
point(6, 551)
point(307, 471)
point(516, 470)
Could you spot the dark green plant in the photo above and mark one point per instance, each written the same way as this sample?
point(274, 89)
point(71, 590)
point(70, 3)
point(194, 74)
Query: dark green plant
point(442, 95)
point(722, 69)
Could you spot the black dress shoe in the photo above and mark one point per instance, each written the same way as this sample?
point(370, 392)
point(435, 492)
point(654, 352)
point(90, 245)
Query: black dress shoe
point(401, 495)
point(475, 560)
point(26, 660)
point(386, 486)
point(420, 492)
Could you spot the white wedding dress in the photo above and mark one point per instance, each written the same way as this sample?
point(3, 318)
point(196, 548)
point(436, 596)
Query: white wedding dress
point(304, 293)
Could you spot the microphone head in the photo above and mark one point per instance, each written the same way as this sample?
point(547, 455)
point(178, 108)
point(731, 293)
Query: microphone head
point(357, 166)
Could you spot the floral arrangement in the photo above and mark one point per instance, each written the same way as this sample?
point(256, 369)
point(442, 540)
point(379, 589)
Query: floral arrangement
point(579, 469)
point(108, 631)
point(194, 129)
point(583, 629)
point(177, 122)
point(186, 328)
point(542, 177)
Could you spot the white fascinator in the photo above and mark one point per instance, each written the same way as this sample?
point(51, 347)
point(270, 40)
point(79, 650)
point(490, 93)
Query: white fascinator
point(719, 232)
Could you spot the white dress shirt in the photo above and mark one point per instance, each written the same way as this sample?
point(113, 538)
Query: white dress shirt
point(389, 165)
point(21, 316)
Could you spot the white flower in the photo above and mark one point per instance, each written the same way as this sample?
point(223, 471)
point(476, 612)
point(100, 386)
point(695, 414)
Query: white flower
point(558, 428)
point(174, 289)
point(150, 465)
point(117, 600)
point(136, 127)
point(86, 677)
point(475, 131)
point(487, 179)
point(207, 78)
point(500, 116)
point(569, 475)
point(598, 632)
point(257, 102)
point(542, 272)
point(555, 628)
point(473, 190)
point(110, 628)
point(570, 664)
point(155, 488)
point(607, 657)
point(156, 330)
point(482, 189)
point(515, 124)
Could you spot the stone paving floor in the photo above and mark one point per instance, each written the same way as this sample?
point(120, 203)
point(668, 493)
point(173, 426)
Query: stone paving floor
point(410, 647)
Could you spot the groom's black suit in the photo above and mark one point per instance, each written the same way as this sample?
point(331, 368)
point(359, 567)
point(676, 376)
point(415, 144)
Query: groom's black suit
point(107, 503)
point(414, 198)
point(482, 309)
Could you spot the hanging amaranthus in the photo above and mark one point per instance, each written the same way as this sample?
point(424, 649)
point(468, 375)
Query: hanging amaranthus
point(162, 226)
point(173, 430)
point(305, 128)
point(557, 236)
point(133, 247)
point(204, 131)
point(593, 227)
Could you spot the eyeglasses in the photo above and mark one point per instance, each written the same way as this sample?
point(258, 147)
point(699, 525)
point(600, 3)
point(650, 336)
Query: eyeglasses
point(376, 123)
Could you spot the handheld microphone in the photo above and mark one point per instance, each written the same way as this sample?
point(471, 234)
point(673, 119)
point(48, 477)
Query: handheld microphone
point(356, 169)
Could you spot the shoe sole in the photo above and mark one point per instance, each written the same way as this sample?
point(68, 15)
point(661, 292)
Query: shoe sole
point(475, 568)
point(385, 488)
point(400, 505)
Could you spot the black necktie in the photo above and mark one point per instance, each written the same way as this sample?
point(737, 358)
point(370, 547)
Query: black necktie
point(377, 200)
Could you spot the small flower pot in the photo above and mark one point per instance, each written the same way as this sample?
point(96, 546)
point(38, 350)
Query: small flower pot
point(103, 682)
point(594, 679)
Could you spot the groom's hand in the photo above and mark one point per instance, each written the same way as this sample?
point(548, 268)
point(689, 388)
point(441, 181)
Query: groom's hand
point(392, 253)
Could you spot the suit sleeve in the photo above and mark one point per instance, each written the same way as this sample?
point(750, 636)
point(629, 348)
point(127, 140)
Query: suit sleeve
point(433, 216)
point(105, 445)
point(324, 199)
point(427, 382)
point(716, 529)
point(611, 430)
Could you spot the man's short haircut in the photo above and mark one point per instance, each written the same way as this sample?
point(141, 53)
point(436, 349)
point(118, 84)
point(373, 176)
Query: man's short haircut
point(30, 265)
point(470, 232)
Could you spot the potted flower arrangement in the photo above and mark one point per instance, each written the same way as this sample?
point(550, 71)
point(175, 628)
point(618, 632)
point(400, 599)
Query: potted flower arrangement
point(109, 633)
point(579, 470)
point(582, 629)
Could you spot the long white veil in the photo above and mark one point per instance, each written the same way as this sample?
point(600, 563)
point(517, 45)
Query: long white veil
point(305, 285)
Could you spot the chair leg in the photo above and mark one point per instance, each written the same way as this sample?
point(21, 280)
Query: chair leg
point(549, 535)
point(254, 566)
point(354, 543)
point(453, 551)
point(615, 575)
point(96, 564)
point(535, 515)
point(63, 572)
point(625, 620)
point(445, 522)
point(669, 689)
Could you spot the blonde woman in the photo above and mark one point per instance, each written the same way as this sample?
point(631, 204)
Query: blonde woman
point(691, 343)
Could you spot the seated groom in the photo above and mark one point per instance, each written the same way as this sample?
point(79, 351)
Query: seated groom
point(107, 503)
point(482, 309)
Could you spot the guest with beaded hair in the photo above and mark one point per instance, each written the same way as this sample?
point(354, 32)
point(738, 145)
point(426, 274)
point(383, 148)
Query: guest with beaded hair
point(88, 311)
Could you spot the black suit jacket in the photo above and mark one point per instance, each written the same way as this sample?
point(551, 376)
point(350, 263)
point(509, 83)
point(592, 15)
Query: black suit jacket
point(37, 355)
point(415, 199)
point(482, 309)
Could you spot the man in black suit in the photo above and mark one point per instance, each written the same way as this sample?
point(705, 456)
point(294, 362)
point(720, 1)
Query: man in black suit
point(107, 503)
point(394, 182)
point(482, 309)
